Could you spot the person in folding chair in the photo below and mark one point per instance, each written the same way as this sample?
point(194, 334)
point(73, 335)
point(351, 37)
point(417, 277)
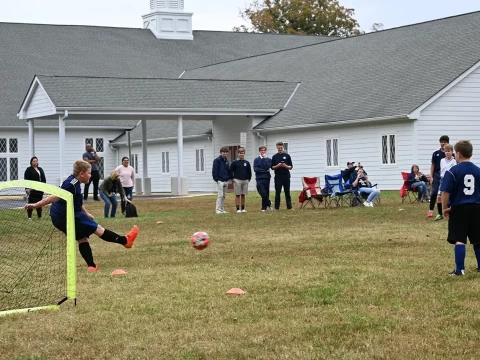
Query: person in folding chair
point(418, 181)
point(365, 187)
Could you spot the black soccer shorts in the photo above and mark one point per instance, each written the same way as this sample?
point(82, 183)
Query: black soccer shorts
point(464, 223)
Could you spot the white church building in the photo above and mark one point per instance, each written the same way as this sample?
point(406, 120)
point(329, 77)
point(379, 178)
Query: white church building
point(170, 97)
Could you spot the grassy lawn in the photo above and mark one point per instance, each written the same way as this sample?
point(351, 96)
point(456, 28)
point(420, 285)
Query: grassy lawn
point(349, 283)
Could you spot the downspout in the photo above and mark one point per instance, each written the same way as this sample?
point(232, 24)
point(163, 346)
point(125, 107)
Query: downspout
point(262, 137)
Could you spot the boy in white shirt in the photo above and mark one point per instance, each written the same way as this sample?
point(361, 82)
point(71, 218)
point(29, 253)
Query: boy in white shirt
point(445, 165)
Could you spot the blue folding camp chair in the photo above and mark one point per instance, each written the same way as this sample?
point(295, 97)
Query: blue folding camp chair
point(334, 187)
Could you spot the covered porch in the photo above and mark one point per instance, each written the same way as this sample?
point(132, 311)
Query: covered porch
point(75, 99)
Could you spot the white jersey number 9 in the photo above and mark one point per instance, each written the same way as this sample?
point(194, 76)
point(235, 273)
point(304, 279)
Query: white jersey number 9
point(469, 182)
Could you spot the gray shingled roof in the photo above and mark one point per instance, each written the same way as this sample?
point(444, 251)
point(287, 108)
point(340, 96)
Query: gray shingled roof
point(95, 92)
point(167, 129)
point(382, 74)
point(30, 49)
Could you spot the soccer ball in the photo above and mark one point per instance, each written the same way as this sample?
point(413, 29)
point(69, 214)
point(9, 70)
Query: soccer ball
point(200, 240)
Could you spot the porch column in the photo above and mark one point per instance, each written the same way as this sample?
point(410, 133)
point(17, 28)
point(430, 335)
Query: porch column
point(180, 152)
point(31, 137)
point(62, 147)
point(147, 182)
point(129, 144)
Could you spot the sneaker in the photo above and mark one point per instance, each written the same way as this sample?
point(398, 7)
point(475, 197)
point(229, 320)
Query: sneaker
point(270, 208)
point(224, 212)
point(263, 210)
point(97, 199)
point(131, 236)
point(239, 211)
point(438, 217)
point(370, 203)
point(92, 269)
point(366, 203)
point(29, 219)
point(244, 210)
point(219, 212)
point(430, 213)
point(457, 273)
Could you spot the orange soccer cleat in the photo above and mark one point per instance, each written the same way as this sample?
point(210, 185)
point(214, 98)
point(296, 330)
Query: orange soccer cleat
point(93, 268)
point(131, 236)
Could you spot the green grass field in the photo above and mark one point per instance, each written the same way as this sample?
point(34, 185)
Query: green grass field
point(349, 283)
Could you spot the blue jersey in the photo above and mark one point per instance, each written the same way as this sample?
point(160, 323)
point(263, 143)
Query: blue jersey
point(72, 185)
point(462, 182)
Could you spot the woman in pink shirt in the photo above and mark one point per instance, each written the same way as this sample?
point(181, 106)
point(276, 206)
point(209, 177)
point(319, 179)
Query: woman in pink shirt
point(127, 178)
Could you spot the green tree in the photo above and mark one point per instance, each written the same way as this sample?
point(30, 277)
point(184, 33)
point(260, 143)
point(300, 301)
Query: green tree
point(314, 17)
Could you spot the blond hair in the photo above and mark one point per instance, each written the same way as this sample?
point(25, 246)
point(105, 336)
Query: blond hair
point(114, 174)
point(80, 166)
point(448, 147)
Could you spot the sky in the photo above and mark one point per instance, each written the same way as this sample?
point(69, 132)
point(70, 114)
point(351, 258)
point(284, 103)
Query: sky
point(217, 14)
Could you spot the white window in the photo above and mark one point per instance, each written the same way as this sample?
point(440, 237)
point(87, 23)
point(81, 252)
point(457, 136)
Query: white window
point(332, 152)
point(134, 162)
point(388, 149)
point(8, 159)
point(200, 160)
point(97, 144)
point(165, 162)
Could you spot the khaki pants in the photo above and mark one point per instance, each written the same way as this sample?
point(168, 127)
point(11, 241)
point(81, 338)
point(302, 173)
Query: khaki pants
point(222, 189)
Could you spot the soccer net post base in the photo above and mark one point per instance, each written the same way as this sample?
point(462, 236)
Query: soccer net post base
point(37, 261)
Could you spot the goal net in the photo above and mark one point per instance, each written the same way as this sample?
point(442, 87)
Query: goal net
point(37, 261)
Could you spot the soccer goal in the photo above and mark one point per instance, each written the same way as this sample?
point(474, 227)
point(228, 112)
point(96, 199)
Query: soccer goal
point(37, 261)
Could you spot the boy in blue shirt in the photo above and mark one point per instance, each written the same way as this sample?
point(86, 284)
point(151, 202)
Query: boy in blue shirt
point(435, 169)
point(282, 164)
point(241, 174)
point(84, 224)
point(461, 205)
point(261, 166)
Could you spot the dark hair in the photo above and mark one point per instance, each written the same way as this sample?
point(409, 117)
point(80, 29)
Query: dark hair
point(465, 148)
point(279, 143)
point(444, 138)
point(413, 166)
point(31, 160)
point(224, 149)
point(241, 149)
point(124, 158)
point(262, 147)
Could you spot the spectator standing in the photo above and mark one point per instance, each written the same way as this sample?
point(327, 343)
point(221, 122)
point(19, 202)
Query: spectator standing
point(282, 164)
point(34, 173)
point(127, 178)
point(262, 166)
point(92, 158)
point(241, 174)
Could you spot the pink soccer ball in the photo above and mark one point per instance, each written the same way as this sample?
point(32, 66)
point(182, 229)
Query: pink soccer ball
point(200, 240)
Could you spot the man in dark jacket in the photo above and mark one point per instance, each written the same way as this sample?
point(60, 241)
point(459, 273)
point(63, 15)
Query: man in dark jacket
point(261, 166)
point(220, 174)
point(241, 174)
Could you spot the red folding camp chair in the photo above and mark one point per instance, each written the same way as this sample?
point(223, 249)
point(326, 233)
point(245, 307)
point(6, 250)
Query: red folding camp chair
point(406, 192)
point(311, 191)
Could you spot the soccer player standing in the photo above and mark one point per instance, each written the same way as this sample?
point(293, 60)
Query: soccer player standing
point(461, 205)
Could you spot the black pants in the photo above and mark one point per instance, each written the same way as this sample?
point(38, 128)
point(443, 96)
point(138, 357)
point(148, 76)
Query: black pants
point(95, 180)
point(282, 181)
point(35, 196)
point(263, 188)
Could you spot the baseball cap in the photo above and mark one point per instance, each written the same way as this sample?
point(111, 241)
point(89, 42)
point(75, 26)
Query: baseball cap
point(350, 163)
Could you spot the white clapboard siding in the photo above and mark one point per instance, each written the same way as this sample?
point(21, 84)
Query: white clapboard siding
point(161, 182)
point(359, 143)
point(456, 114)
point(40, 104)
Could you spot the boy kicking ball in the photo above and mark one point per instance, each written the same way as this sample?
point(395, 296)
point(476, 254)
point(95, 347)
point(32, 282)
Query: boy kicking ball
point(461, 205)
point(84, 224)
